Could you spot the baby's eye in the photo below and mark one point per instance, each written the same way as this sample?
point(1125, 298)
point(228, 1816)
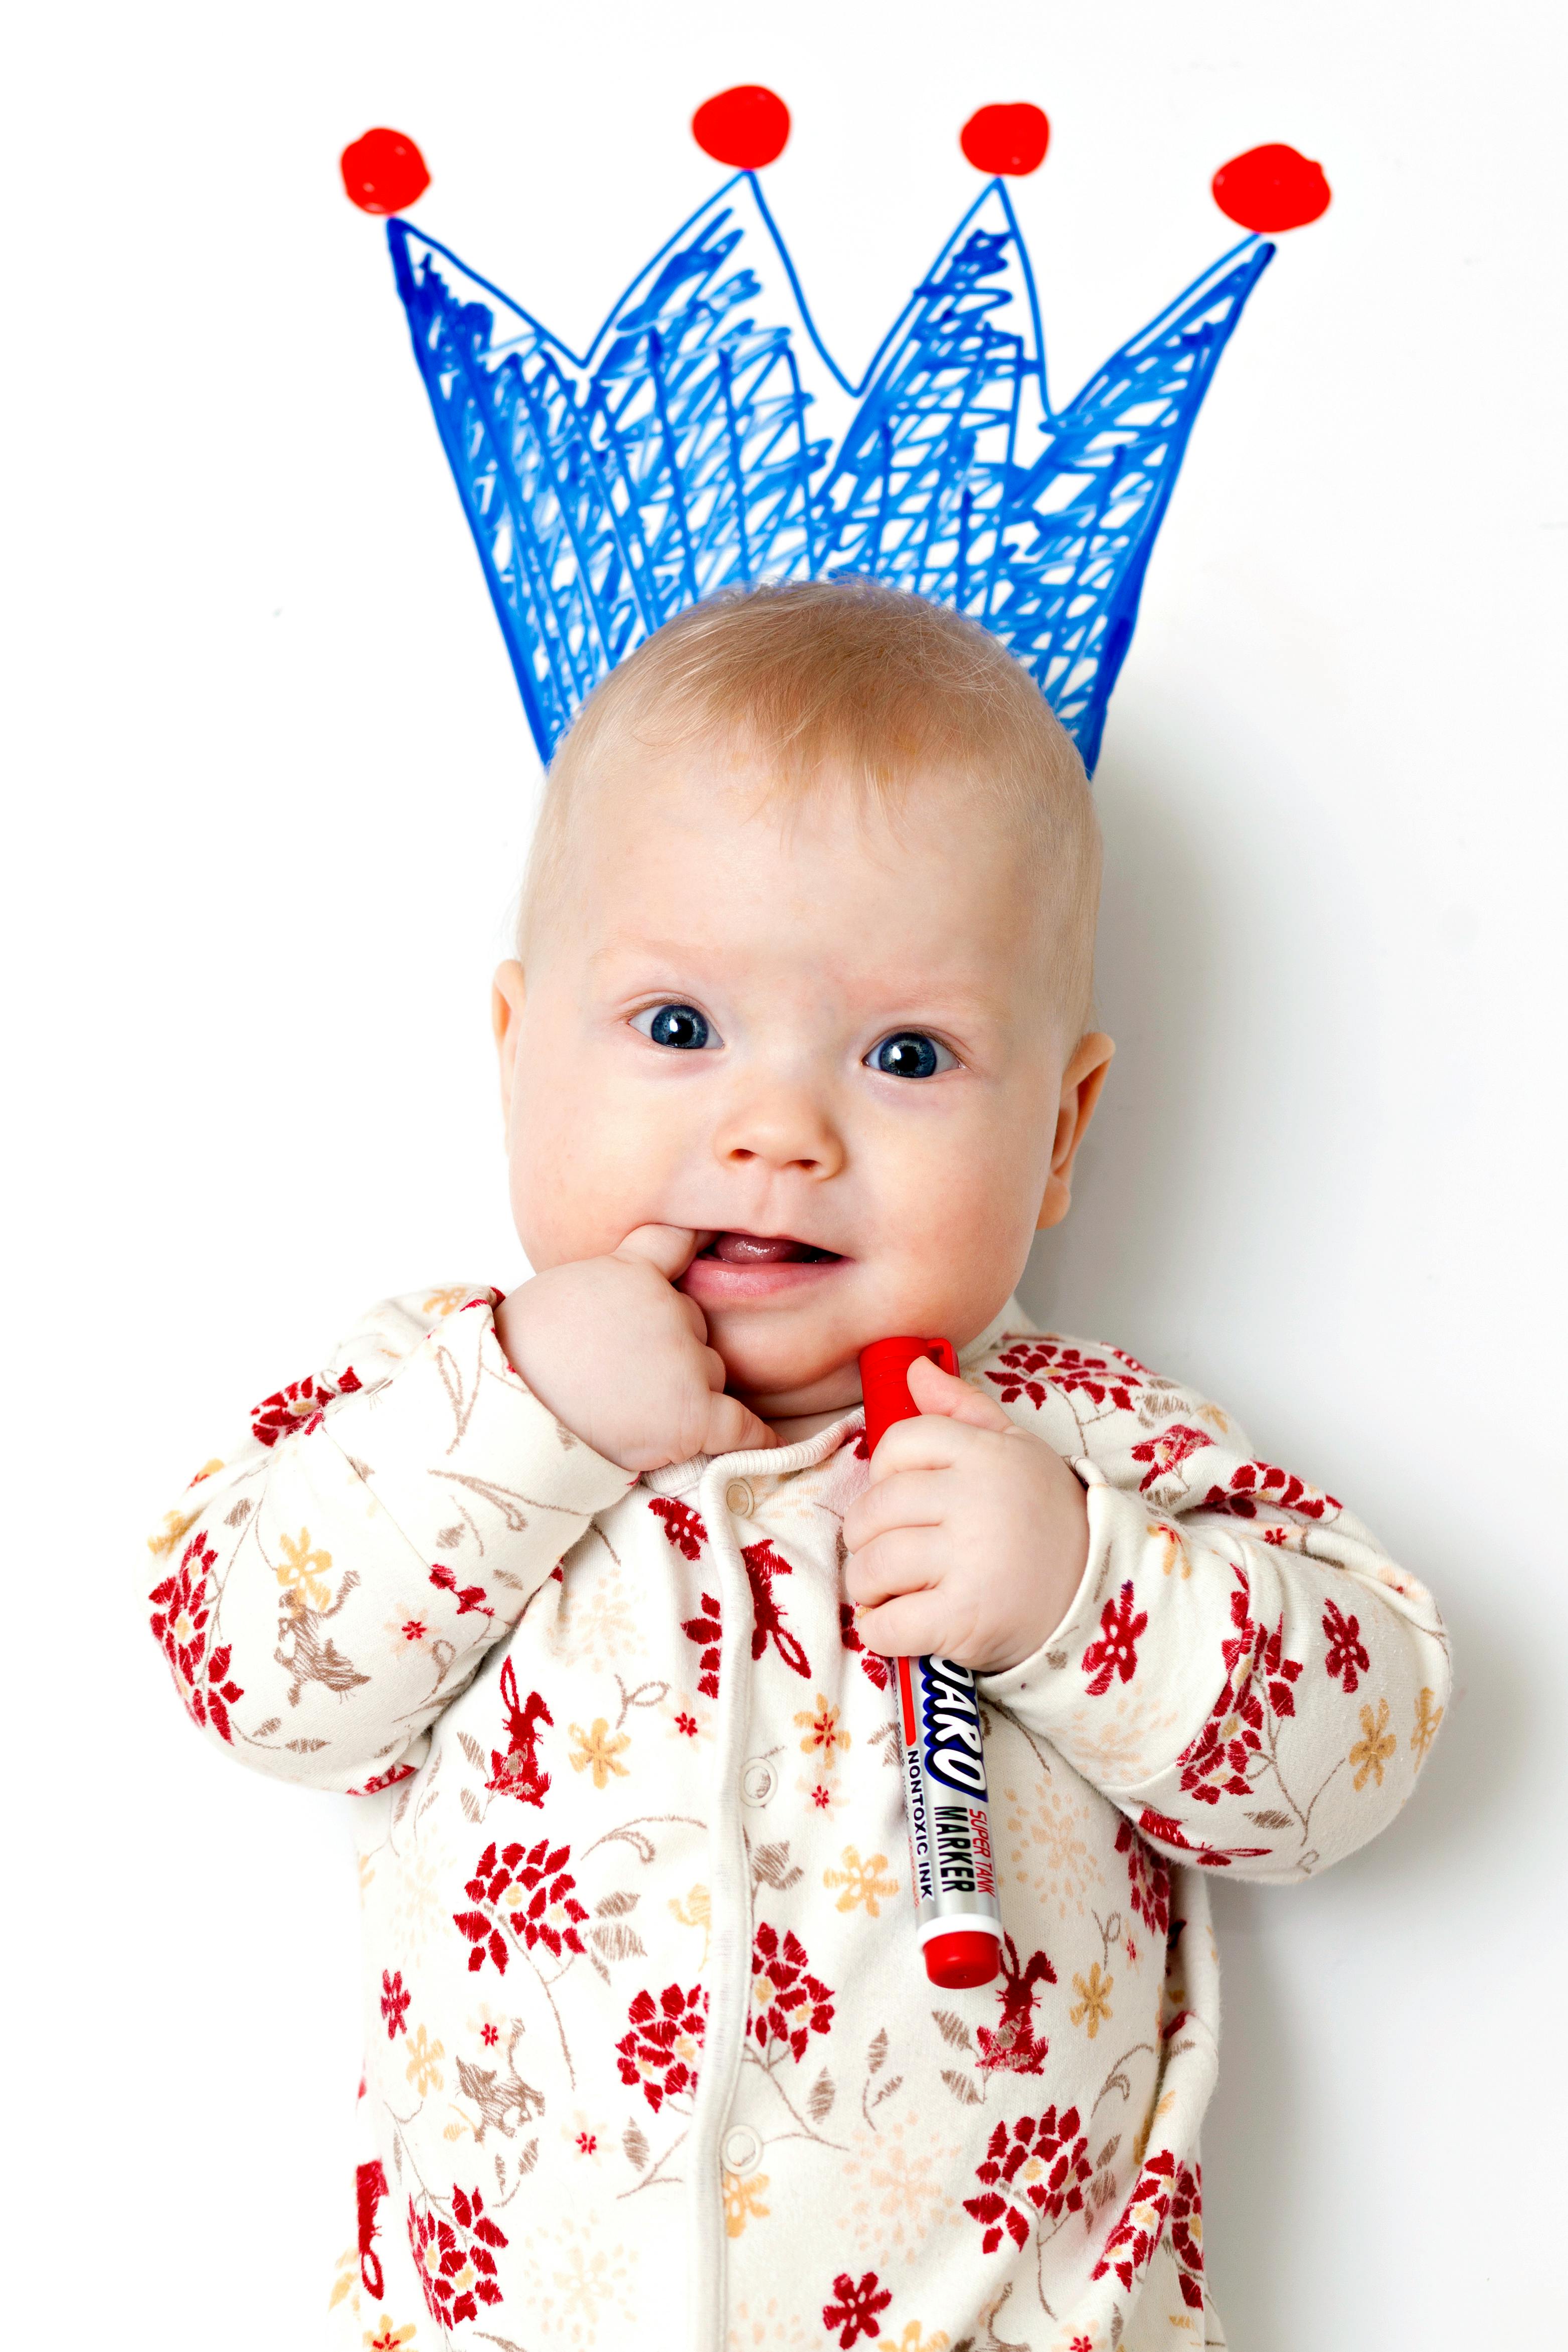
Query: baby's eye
point(680, 1025)
point(911, 1053)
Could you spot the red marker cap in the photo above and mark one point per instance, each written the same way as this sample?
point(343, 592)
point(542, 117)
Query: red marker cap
point(884, 1381)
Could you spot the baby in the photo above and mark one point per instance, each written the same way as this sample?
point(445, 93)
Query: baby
point(587, 1592)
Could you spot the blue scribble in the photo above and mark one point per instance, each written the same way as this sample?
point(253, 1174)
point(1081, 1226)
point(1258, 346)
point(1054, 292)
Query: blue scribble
point(708, 440)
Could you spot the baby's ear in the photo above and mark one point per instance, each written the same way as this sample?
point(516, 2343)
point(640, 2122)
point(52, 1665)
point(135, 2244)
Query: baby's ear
point(1081, 1083)
point(507, 994)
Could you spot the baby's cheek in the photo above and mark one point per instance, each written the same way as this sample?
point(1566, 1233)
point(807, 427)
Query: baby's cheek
point(962, 1238)
point(585, 1169)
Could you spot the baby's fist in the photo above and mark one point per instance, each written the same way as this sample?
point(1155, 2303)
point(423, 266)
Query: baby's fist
point(621, 1357)
point(972, 1538)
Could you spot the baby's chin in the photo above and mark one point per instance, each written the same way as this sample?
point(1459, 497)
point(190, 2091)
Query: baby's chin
point(789, 1360)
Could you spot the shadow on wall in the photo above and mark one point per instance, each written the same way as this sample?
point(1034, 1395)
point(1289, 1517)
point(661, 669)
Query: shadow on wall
point(1144, 1168)
point(1211, 964)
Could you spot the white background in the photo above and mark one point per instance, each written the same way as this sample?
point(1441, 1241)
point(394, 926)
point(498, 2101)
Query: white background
point(271, 787)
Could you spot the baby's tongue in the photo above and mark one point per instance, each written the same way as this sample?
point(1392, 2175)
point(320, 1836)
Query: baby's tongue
point(753, 1249)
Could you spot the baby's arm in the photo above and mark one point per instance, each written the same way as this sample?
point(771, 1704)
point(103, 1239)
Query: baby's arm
point(1220, 1649)
point(325, 1592)
point(1243, 1670)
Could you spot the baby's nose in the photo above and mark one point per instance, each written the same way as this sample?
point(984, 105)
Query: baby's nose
point(785, 1128)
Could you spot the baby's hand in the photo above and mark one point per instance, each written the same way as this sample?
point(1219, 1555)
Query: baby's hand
point(621, 1358)
point(972, 1538)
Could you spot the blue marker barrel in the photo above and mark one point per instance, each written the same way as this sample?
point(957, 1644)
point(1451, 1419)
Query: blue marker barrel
point(951, 1866)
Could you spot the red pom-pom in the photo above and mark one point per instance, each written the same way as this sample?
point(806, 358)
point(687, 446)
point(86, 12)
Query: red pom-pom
point(384, 171)
point(1008, 139)
point(1271, 188)
point(745, 127)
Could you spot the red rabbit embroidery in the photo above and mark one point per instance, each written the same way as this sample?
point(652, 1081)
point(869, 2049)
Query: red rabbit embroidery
point(518, 1773)
point(1014, 2043)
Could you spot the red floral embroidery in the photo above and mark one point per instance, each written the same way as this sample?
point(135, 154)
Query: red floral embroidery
point(1036, 1366)
point(661, 2049)
point(1170, 1832)
point(456, 2267)
point(370, 2188)
point(1149, 1879)
point(1034, 2170)
point(855, 2311)
point(517, 1773)
point(468, 1598)
point(395, 1999)
point(1261, 1482)
point(1168, 1451)
point(704, 1631)
point(387, 1780)
point(682, 1525)
point(180, 1613)
point(1117, 1650)
point(788, 2003)
point(299, 1406)
point(1256, 1688)
point(523, 1892)
point(875, 1669)
point(1347, 1659)
point(1139, 2227)
point(1014, 2043)
point(1186, 2233)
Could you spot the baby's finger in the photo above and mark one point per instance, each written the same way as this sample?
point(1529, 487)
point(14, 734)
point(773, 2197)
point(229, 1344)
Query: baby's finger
point(930, 1442)
point(694, 1315)
point(731, 1429)
point(937, 1392)
point(668, 1249)
point(908, 1559)
point(918, 1625)
point(907, 1498)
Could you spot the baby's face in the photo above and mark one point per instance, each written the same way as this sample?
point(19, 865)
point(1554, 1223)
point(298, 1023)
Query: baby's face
point(822, 1039)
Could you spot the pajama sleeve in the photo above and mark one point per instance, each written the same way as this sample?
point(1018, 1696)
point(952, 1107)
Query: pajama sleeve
point(1243, 1672)
point(327, 1589)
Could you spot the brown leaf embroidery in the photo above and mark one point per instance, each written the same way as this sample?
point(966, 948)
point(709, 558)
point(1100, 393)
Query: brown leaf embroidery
point(952, 2028)
point(962, 2088)
point(1270, 1820)
point(617, 1942)
point(876, 2056)
point(474, 1752)
point(265, 1731)
point(472, 1808)
point(636, 2146)
point(772, 1863)
point(819, 2097)
point(615, 1907)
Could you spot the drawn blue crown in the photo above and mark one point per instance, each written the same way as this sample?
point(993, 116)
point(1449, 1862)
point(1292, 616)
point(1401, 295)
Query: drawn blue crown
point(708, 440)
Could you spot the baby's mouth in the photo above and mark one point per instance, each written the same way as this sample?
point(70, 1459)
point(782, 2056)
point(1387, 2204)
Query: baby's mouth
point(765, 1249)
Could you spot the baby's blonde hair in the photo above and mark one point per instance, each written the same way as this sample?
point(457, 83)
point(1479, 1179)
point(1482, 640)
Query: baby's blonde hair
point(834, 681)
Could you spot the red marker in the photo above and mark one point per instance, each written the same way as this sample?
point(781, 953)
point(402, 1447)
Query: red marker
point(950, 1861)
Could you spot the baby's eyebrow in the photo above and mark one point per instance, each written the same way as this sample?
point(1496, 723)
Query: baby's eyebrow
point(653, 951)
